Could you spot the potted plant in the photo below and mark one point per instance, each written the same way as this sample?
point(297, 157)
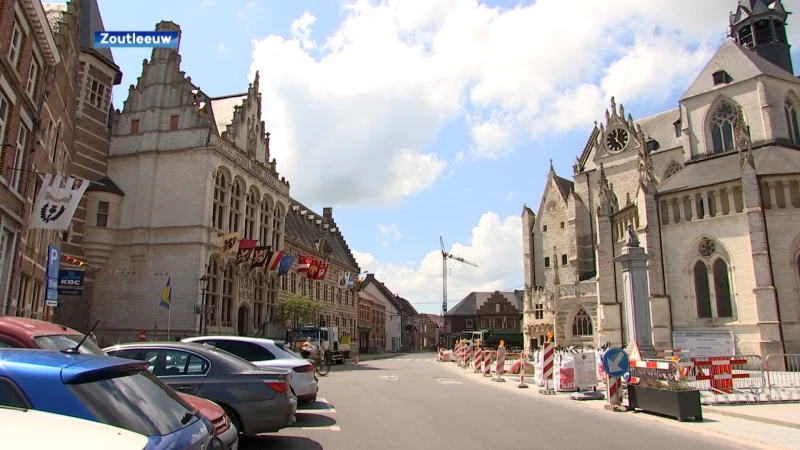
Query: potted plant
point(668, 398)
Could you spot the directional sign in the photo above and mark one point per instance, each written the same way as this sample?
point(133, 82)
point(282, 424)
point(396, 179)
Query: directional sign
point(615, 362)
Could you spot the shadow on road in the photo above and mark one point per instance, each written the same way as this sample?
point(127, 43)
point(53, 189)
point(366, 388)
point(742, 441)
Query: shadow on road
point(352, 367)
point(273, 442)
point(306, 420)
point(316, 406)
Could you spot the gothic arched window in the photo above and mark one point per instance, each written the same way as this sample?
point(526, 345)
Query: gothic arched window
point(220, 201)
point(277, 228)
point(251, 213)
point(259, 300)
point(790, 110)
point(227, 296)
point(722, 288)
point(722, 128)
point(214, 289)
point(673, 168)
point(264, 237)
point(235, 214)
point(582, 325)
point(702, 292)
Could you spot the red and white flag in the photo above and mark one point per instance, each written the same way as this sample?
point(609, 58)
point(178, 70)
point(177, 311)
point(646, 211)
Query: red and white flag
point(274, 261)
point(322, 270)
point(303, 263)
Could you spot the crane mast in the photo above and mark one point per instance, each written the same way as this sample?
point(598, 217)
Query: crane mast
point(445, 256)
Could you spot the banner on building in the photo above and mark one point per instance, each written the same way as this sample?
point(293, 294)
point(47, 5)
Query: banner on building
point(246, 249)
point(260, 255)
point(304, 263)
point(285, 264)
point(230, 242)
point(274, 261)
point(57, 202)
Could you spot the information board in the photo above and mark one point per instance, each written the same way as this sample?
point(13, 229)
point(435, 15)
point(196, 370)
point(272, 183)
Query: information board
point(705, 342)
point(585, 370)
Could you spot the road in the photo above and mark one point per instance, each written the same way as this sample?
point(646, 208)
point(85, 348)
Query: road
point(415, 402)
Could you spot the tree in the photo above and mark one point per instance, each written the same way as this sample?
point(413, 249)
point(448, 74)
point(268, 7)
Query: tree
point(297, 310)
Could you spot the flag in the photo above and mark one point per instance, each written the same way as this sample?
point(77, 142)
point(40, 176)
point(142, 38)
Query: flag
point(166, 295)
point(322, 270)
point(274, 261)
point(351, 280)
point(343, 279)
point(304, 263)
point(313, 268)
point(57, 202)
point(285, 264)
point(246, 249)
point(230, 242)
point(259, 257)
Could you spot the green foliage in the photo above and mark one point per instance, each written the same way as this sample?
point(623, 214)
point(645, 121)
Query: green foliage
point(297, 310)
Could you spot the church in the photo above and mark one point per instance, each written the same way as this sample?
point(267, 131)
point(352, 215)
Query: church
point(710, 189)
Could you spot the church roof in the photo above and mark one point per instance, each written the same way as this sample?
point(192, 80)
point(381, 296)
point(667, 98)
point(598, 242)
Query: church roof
point(770, 160)
point(741, 64)
point(223, 109)
point(91, 21)
point(307, 232)
point(564, 186)
point(468, 306)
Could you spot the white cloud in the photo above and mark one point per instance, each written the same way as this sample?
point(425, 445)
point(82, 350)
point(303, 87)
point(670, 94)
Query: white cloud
point(391, 231)
point(395, 72)
point(251, 4)
point(495, 245)
point(301, 30)
point(224, 49)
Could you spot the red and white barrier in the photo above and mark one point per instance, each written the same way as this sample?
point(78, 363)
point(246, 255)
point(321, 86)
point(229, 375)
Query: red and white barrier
point(487, 363)
point(522, 384)
point(476, 359)
point(614, 390)
point(548, 357)
point(501, 363)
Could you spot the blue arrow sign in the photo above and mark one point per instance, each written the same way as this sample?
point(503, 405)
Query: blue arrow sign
point(615, 362)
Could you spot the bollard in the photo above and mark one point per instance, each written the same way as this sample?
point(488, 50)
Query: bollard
point(487, 363)
point(477, 359)
point(501, 362)
point(548, 355)
point(522, 384)
point(614, 394)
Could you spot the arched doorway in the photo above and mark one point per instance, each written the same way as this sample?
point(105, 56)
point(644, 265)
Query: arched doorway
point(244, 321)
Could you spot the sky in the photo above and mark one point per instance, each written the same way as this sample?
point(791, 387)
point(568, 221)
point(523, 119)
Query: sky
point(421, 119)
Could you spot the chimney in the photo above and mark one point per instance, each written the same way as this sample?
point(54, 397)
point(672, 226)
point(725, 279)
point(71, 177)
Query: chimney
point(327, 213)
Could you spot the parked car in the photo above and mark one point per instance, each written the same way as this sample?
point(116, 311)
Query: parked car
point(113, 391)
point(21, 332)
point(23, 429)
point(265, 353)
point(257, 400)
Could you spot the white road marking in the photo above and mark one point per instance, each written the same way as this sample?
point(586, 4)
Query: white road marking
point(330, 428)
point(388, 377)
point(448, 381)
point(328, 406)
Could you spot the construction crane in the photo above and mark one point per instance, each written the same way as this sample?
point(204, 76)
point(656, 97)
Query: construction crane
point(445, 256)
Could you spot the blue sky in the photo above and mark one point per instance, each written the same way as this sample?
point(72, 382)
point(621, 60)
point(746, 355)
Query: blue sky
point(420, 119)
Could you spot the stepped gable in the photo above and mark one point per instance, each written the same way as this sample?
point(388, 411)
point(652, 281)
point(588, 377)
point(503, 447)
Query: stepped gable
point(308, 229)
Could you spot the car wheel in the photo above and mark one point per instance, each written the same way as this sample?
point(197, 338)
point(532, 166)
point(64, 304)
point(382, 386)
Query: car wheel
point(235, 420)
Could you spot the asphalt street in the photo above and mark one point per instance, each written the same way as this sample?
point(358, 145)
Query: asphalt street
point(414, 402)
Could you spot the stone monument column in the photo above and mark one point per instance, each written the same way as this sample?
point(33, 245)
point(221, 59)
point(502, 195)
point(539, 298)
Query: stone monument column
point(633, 260)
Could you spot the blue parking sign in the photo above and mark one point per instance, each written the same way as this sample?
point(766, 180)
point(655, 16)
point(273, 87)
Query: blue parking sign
point(53, 261)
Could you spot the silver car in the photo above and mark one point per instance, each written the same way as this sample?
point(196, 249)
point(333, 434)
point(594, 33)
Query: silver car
point(257, 400)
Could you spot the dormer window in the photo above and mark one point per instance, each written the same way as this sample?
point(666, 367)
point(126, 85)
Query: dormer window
point(721, 77)
point(97, 94)
point(652, 145)
point(677, 126)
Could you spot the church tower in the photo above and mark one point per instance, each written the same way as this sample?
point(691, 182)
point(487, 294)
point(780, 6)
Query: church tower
point(760, 25)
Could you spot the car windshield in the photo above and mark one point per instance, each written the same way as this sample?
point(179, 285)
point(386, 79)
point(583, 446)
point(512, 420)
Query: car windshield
point(136, 401)
point(60, 342)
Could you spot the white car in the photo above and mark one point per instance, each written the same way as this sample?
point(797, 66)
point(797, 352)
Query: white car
point(23, 428)
point(266, 353)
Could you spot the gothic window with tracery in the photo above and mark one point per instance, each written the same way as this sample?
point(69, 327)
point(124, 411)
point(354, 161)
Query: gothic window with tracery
point(582, 325)
point(712, 283)
point(673, 168)
point(722, 128)
point(790, 110)
point(250, 213)
point(264, 237)
point(701, 290)
point(259, 300)
point(277, 232)
point(220, 203)
point(214, 289)
point(227, 296)
point(235, 214)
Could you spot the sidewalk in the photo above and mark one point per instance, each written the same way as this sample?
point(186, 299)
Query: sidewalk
point(781, 414)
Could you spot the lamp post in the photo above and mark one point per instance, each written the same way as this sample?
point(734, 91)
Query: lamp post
point(204, 308)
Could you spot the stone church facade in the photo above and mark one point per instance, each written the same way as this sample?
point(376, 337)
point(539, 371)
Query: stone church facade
point(185, 168)
point(711, 189)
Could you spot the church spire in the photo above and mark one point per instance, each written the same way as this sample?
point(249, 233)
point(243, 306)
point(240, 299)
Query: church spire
point(760, 26)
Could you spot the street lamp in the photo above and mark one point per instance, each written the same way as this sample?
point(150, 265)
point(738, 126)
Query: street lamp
point(204, 308)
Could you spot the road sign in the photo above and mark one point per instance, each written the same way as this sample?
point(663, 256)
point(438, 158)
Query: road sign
point(53, 261)
point(142, 335)
point(615, 362)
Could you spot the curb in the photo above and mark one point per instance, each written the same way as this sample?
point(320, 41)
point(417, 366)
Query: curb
point(722, 412)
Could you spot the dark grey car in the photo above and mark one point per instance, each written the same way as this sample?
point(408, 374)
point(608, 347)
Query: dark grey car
point(256, 400)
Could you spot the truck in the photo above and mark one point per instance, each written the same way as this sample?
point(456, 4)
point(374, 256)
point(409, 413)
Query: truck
point(492, 339)
point(327, 340)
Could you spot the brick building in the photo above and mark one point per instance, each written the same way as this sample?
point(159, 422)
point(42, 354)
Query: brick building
point(371, 324)
point(429, 334)
point(495, 311)
point(46, 92)
point(402, 318)
point(711, 188)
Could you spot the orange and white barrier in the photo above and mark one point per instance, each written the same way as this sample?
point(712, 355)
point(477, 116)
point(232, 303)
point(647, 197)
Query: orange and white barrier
point(548, 357)
point(477, 353)
point(501, 363)
point(444, 355)
point(487, 363)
